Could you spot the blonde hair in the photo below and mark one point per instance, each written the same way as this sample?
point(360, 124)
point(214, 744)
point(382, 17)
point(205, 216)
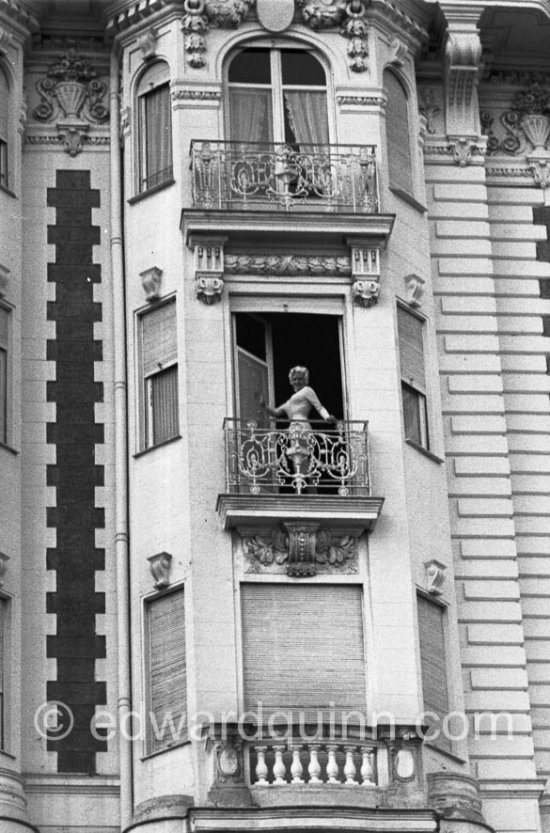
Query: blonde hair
point(303, 371)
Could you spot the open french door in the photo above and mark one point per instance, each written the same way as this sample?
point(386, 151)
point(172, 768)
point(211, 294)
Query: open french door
point(252, 337)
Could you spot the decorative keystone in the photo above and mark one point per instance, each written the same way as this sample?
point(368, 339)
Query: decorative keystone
point(414, 290)
point(150, 281)
point(435, 576)
point(160, 566)
point(209, 290)
point(365, 293)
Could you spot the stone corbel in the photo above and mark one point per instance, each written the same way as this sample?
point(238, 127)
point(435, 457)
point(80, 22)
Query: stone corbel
point(398, 52)
point(150, 281)
point(365, 293)
point(463, 52)
point(4, 280)
point(466, 148)
point(160, 566)
point(415, 290)
point(435, 576)
point(209, 267)
point(302, 542)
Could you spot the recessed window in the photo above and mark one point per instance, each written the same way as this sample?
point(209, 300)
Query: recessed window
point(166, 671)
point(398, 135)
point(159, 372)
point(433, 663)
point(413, 377)
point(4, 368)
point(155, 128)
point(4, 127)
point(277, 95)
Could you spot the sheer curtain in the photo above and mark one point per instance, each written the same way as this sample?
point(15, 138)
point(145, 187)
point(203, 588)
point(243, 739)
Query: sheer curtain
point(250, 115)
point(158, 138)
point(308, 118)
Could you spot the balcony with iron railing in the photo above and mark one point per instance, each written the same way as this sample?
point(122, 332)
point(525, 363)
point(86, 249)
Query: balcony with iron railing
point(304, 472)
point(252, 176)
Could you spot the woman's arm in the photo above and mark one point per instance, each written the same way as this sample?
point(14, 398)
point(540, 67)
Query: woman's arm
point(314, 400)
point(274, 412)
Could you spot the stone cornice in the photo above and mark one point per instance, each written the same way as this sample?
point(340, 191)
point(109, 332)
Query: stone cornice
point(122, 16)
point(18, 18)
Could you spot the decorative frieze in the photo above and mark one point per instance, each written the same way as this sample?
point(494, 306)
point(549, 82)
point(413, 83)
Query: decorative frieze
point(293, 265)
point(301, 549)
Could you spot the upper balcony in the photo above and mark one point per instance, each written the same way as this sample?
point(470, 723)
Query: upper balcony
point(252, 188)
point(254, 176)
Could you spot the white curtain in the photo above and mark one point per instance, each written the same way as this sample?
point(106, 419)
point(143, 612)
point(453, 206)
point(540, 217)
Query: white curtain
point(250, 116)
point(307, 114)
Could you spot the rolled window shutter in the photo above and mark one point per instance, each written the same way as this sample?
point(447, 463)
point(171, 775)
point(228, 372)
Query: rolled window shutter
point(159, 338)
point(411, 348)
point(303, 648)
point(167, 670)
point(397, 134)
point(433, 662)
point(3, 624)
point(165, 404)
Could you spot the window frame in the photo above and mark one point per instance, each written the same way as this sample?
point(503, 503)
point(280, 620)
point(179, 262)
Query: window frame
point(397, 187)
point(408, 385)
point(146, 602)
point(444, 610)
point(6, 139)
point(5, 654)
point(146, 419)
point(5, 388)
point(280, 45)
point(144, 90)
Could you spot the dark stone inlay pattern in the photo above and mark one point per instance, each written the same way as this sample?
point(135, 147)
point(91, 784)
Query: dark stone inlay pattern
point(75, 559)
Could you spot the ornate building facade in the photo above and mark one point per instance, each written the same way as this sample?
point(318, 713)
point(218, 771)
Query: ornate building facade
point(213, 619)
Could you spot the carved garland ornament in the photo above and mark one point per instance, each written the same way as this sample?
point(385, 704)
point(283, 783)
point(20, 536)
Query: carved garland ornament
point(526, 124)
point(302, 548)
point(286, 265)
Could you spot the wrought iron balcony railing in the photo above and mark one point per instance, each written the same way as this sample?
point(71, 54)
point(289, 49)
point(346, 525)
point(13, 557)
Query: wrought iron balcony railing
point(252, 175)
point(306, 457)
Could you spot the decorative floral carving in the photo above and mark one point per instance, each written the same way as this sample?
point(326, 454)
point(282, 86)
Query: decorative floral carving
point(71, 88)
point(428, 107)
point(200, 15)
point(526, 124)
point(227, 13)
point(322, 14)
point(302, 548)
point(286, 265)
point(356, 30)
point(365, 293)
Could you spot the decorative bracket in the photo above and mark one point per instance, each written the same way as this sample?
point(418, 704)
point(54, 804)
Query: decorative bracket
point(160, 566)
point(398, 52)
point(435, 576)
point(148, 44)
point(365, 271)
point(464, 148)
point(209, 267)
point(463, 52)
point(5, 41)
point(540, 168)
point(72, 136)
point(150, 281)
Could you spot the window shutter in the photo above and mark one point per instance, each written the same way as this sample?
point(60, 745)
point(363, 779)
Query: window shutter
point(303, 648)
point(164, 393)
point(3, 608)
point(411, 348)
point(433, 663)
point(4, 320)
point(167, 670)
point(159, 338)
point(397, 134)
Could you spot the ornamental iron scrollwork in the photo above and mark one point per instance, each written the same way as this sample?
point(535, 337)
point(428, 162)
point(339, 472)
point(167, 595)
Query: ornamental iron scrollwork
point(264, 176)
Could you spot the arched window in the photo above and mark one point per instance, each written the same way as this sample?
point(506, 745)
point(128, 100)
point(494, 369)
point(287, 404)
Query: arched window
point(398, 140)
point(155, 127)
point(277, 95)
point(4, 127)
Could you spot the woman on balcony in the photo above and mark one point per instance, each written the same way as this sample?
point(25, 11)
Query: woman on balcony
point(301, 440)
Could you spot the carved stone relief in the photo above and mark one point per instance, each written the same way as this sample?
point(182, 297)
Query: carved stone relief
point(414, 286)
point(435, 576)
point(301, 549)
point(523, 127)
point(72, 94)
point(286, 265)
point(150, 281)
point(160, 566)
